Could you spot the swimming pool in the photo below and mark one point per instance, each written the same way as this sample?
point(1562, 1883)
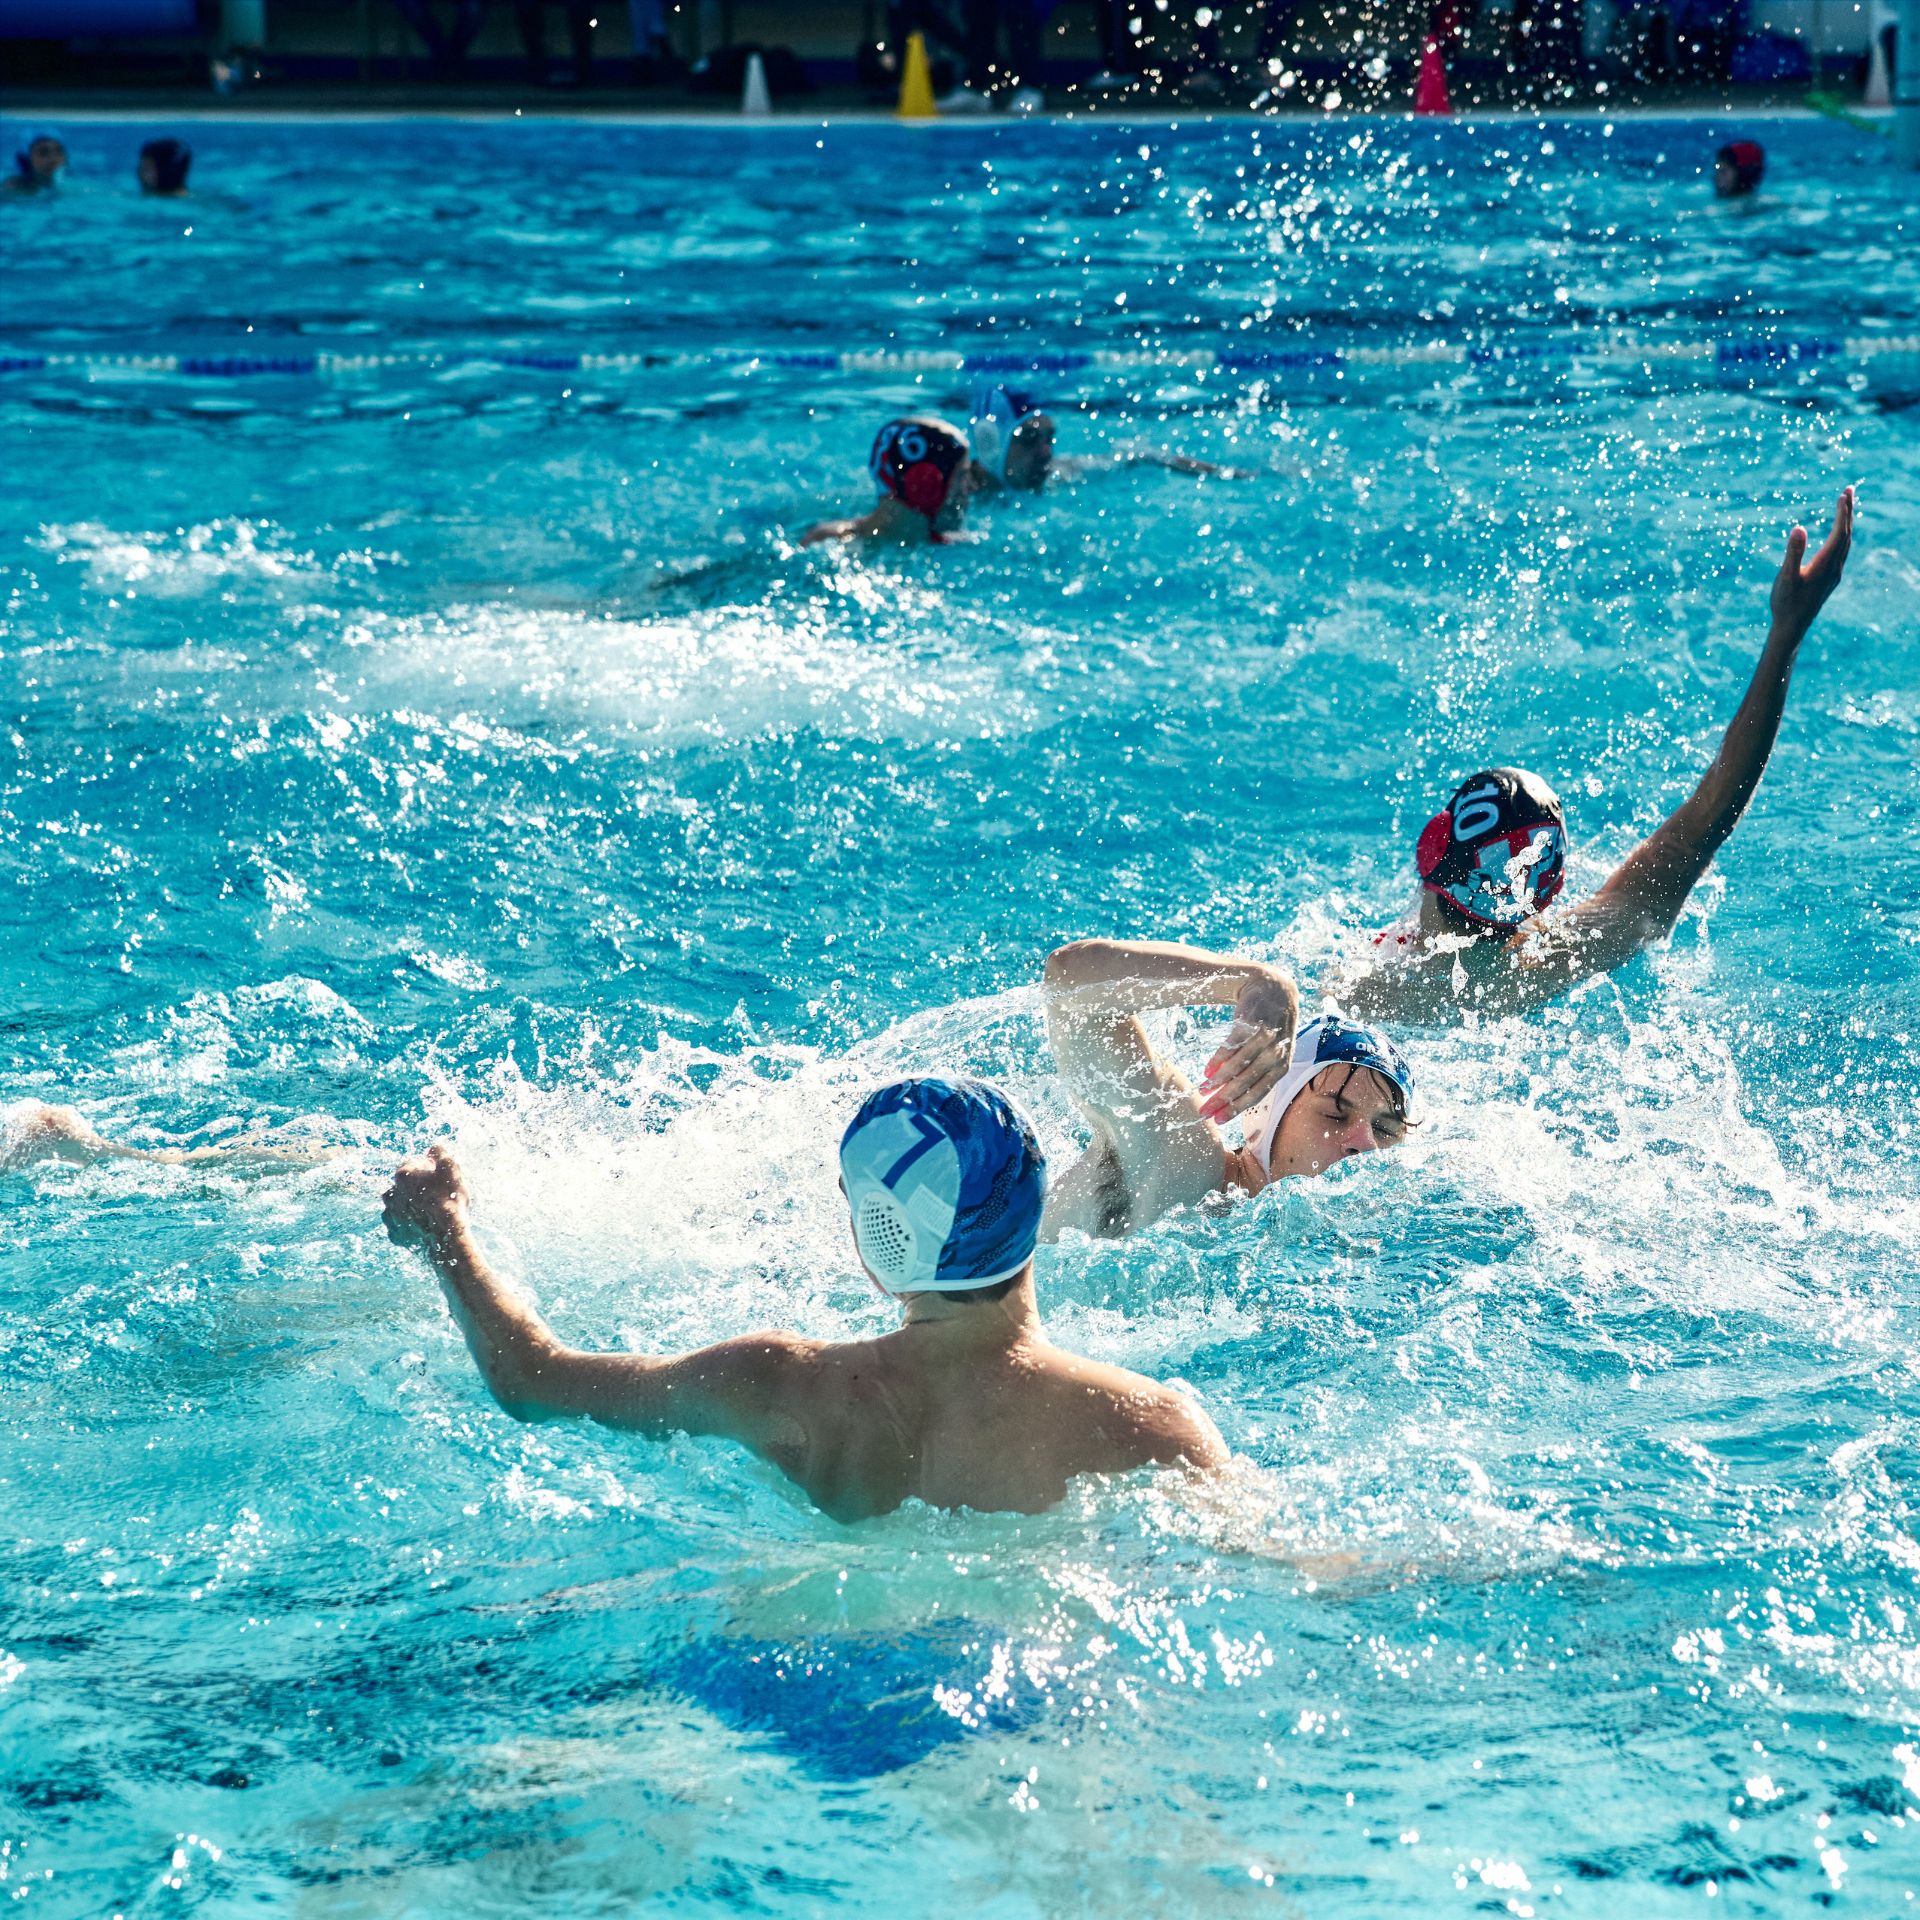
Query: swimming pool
point(446, 746)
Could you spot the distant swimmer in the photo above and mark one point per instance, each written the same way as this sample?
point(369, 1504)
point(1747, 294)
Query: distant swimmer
point(966, 1404)
point(1305, 1098)
point(921, 468)
point(1738, 169)
point(163, 168)
point(1012, 441)
point(1493, 859)
point(38, 165)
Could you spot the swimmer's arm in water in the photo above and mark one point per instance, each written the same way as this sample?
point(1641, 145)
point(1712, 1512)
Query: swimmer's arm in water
point(61, 1133)
point(1642, 898)
point(887, 519)
point(1152, 1130)
point(1071, 468)
point(751, 1390)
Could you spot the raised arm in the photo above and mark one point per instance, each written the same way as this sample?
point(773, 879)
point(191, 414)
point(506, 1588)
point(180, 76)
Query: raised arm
point(1152, 1130)
point(751, 1390)
point(1642, 898)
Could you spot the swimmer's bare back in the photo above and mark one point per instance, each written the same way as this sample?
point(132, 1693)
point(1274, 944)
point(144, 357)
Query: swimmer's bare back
point(966, 1405)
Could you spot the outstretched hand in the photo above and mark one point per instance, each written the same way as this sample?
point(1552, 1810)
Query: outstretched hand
point(427, 1201)
point(1799, 592)
point(1257, 1051)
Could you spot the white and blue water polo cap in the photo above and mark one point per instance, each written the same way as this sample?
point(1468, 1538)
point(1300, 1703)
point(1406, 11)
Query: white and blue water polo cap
point(946, 1181)
point(1328, 1041)
point(993, 413)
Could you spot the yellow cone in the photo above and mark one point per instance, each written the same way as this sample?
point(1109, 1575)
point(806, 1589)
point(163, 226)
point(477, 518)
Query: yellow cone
point(916, 83)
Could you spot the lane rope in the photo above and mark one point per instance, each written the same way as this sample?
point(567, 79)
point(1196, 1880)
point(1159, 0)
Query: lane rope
point(1751, 356)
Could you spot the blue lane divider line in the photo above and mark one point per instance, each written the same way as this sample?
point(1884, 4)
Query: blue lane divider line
point(1066, 362)
point(1279, 359)
point(1305, 360)
point(1774, 353)
point(228, 366)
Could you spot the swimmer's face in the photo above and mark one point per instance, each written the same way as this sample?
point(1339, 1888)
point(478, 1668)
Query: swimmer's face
point(45, 158)
point(1726, 179)
point(1030, 452)
point(1341, 1111)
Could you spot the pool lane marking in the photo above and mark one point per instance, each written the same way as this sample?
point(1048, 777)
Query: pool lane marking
point(1747, 354)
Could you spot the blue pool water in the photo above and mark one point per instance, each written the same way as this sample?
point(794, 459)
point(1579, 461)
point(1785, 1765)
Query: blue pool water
point(448, 750)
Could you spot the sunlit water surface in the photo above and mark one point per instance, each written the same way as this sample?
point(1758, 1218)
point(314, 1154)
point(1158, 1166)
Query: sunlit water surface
point(472, 754)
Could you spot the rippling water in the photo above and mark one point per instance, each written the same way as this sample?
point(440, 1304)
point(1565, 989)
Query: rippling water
point(471, 754)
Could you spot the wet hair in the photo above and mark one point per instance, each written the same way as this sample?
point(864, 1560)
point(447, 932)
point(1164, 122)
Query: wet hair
point(171, 159)
point(980, 1296)
point(1396, 1093)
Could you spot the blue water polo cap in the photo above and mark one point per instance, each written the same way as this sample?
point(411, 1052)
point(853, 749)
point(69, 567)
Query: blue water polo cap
point(994, 414)
point(1331, 1041)
point(1328, 1041)
point(946, 1181)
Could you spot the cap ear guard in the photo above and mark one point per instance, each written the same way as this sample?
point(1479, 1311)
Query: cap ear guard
point(901, 1240)
point(886, 1239)
point(945, 1184)
point(1435, 838)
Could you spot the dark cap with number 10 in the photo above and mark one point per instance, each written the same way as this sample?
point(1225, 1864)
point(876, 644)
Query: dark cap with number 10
point(1497, 851)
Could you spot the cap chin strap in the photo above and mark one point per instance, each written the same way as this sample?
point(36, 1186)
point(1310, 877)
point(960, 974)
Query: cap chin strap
point(1263, 1123)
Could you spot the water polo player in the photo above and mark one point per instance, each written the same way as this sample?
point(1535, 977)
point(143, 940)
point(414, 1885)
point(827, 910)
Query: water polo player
point(163, 168)
point(1012, 439)
point(966, 1404)
point(1738, 169)
point(39, 163)
point(1493, 859)
point(1305, 1099)
point(921, 467)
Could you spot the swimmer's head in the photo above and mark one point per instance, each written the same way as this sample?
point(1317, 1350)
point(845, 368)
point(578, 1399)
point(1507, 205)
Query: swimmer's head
point(1011, 437)
point(42, 160)
point(1347, 1090)
point(1738, 168)
point(922, 463)
point(945, 1180)
point(1496, 853)
point(163, 166)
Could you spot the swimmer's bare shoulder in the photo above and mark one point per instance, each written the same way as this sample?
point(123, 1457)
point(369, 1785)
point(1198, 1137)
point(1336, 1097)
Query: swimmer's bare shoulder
point(1144, 1423)
point(1426, 980)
